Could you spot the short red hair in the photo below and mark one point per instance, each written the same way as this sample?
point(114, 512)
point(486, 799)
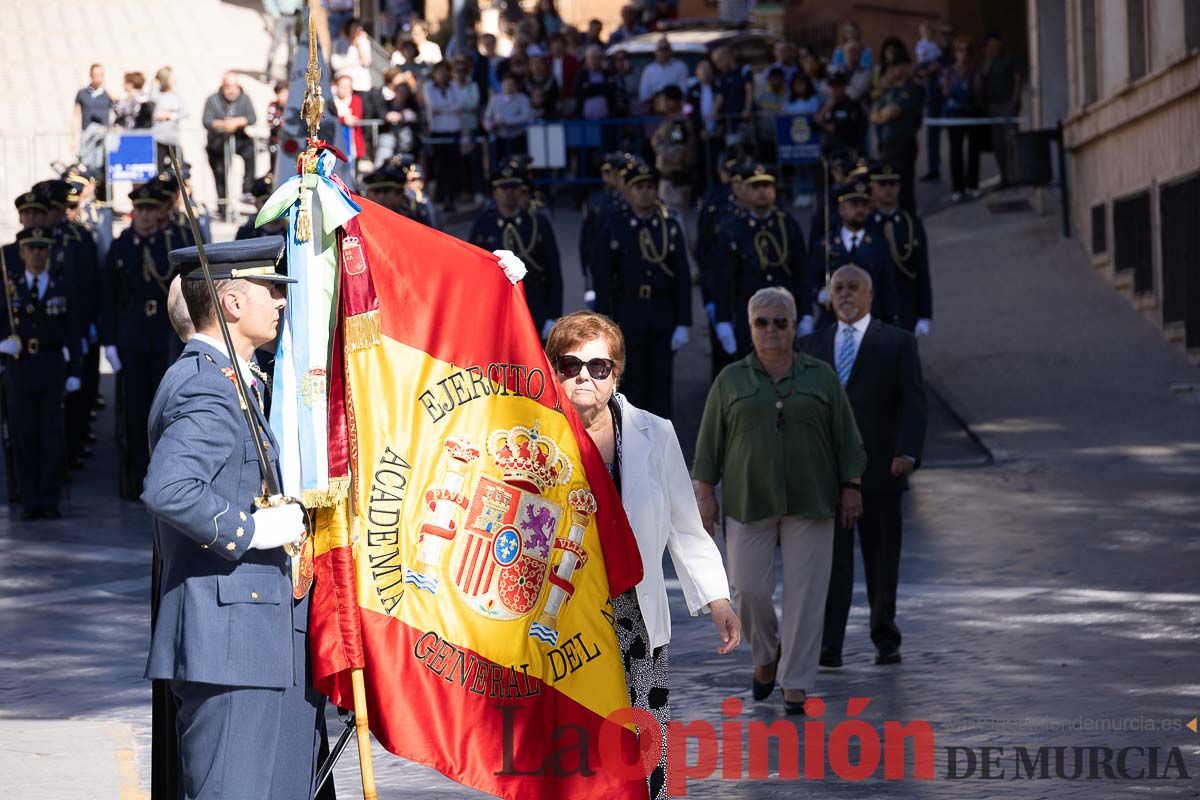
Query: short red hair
point(583, 326)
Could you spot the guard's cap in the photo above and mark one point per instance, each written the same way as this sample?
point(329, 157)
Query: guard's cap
point(29, 201)
point(254, 259)
point(757, 172)
point(78, 178)
point(728, 159)
point(148, 194)
point(639, 173)
point(383, 178)
point(37, 236)
point(860, 170)
point(510, 174)
point(53, 192)
point(853, 190)
point(612, 161)
point(882, 172)
point(842, 158)
point(262, 187)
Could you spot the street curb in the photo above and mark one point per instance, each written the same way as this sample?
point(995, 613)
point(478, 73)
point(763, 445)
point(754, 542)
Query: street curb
point(962, 416)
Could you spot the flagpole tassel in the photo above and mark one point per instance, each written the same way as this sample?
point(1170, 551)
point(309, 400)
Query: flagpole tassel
point(326, 498)
point(304, 218)
point(362, 331)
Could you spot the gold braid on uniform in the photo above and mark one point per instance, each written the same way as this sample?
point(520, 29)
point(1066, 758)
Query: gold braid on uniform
point(764, 242)
point(511, 238)
point(901, 259)
point(150, 270)
point(646, 244)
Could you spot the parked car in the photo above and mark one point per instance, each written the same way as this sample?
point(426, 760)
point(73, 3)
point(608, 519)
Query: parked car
point(692, 44)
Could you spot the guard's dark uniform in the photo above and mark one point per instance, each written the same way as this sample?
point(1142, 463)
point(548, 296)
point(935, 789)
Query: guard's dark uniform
point(871, 254)
point(753, 253)
point(600, 204)
point(904, 235)
point(643, 282)
point(136, 277)
point(261, 189)
point(717, 205)
point(528, 234)
point(35, 379)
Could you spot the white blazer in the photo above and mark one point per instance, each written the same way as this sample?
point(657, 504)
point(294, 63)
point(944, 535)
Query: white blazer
point(656, 490)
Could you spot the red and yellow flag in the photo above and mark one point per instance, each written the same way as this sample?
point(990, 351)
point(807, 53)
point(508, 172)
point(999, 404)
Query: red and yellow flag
point(470, 571)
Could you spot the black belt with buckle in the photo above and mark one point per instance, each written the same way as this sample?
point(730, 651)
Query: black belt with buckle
point(151, 308)
point(643, 292)
point(32, 346)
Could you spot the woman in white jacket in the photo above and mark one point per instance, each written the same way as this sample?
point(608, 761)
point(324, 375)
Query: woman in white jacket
point(643, 457)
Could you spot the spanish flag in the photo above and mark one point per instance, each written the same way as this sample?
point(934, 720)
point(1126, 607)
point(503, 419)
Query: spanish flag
point(470, 571)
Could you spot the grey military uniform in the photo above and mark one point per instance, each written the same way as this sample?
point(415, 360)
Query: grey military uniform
point(228, 635)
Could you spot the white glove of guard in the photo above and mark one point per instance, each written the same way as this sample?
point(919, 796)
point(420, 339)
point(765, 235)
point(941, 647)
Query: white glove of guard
point(10, 346)
point(726, 338)
point(589, 299)
point(711, 310)
point(514, 268)
point(922, 328)
point(276, 526)
point(73, 384)
point(114, 361)
point(66, 356)
point(546, 326)
point(822, 297)
point(679, 338)
point(805, 326)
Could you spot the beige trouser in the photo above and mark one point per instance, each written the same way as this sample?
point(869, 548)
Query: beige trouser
point(807, 547)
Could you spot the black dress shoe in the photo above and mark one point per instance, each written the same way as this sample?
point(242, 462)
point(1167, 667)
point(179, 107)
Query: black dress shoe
point(892, 657)
point(830, 661)
point(794, 707)
point(52, 513)
point(760, 690)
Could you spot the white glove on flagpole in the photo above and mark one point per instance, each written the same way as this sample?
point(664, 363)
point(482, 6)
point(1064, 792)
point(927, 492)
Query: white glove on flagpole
point(73, 384)
point(276, 526)
point(114, 361)
point(726, 338)
point(679, 338)
point(805, 326)
point(922, 328)
point(514, 268)
point(11, 346)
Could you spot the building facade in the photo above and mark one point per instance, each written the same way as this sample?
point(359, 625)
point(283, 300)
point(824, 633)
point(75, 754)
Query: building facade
point(1130, 112)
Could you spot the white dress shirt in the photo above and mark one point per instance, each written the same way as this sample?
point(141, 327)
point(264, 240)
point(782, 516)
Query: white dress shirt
point(38, 282)
point(851, 239)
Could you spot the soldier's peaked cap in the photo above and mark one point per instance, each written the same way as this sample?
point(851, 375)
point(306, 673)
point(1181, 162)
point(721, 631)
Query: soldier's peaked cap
point(853, 190)
point(29, 200)
point(38, 237)
point(253, 259)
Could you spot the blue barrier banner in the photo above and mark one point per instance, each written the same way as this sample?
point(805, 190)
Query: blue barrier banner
point(799, 139)
point(133, 158)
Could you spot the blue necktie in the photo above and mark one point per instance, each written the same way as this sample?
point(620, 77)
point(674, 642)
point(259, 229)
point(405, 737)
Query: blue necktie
point(845, 358)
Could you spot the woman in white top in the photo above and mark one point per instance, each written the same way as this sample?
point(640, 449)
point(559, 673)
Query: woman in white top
point(471, 148)
point(352, 55)
point(443, 107)
point(169, 110)
point(643, 457)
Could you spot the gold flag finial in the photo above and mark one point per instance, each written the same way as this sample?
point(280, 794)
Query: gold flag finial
point(313, 106)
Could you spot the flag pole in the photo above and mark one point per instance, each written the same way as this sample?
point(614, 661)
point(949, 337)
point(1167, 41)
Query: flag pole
point(312, 109)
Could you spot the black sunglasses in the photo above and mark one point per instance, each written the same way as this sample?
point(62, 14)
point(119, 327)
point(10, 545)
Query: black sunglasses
point(598, 368)
point(780, 323)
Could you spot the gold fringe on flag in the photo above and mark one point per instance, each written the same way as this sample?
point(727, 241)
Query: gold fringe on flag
point(304, 218)
point(336, 493)
point(362, 331)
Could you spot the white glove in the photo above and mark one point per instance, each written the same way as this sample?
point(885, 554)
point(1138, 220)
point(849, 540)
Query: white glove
point(114, 361)
point(589, 299)
point(66, 356)
point(83, 346)
point(922, 328)
point(276, 526)
point(822, 297)
point(679, 338)
point(514, 268)
point(726, 338)
point(546, 326)
point(711, 310)
point(93, 337)
point(73, 384)
point(11, 346)
point(805, 327)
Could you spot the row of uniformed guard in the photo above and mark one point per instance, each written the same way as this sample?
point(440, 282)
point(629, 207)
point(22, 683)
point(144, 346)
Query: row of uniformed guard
point(66, 299)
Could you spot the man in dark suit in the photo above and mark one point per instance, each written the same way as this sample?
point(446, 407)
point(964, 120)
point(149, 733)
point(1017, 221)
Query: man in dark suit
point(881, 370)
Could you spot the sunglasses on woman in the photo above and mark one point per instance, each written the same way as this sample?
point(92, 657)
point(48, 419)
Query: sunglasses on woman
point(598, 368)
point(780, 323)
